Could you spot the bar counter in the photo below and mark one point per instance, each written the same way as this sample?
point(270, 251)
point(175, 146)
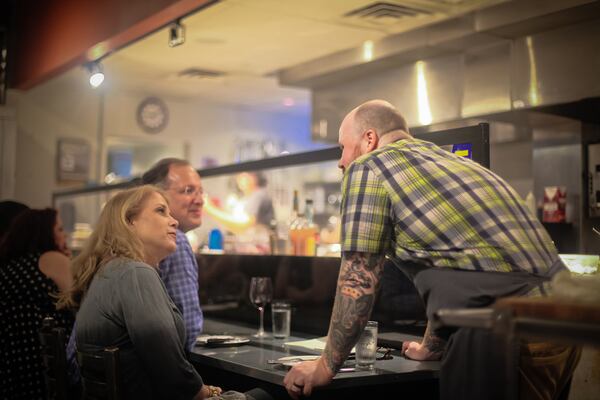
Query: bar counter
point(244, 367)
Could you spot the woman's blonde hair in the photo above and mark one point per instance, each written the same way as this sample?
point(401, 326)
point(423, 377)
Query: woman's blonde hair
point(113, 237)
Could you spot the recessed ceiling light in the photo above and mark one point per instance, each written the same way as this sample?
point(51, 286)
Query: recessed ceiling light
point(288, 102)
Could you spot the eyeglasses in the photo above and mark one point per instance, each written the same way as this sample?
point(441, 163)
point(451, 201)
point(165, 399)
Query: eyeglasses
point(387, 353)
point(189, 191)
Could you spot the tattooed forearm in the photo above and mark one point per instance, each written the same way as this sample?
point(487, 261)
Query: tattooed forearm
point(434, 344)
point(358, 282)
point(359, 273)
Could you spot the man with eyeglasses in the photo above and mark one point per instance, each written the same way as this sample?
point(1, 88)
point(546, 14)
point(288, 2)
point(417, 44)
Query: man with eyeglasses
point(179, 271)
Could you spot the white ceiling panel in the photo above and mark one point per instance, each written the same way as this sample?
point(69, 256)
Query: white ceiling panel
point(249, 40)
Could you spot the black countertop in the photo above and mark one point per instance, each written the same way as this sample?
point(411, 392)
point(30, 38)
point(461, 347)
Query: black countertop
point(250, 361)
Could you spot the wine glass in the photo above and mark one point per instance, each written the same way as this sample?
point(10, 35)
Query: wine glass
point(261, 293)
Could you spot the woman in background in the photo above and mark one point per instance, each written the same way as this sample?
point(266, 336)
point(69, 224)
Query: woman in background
point(34, 268)
point(123, 303)
point(9, 210)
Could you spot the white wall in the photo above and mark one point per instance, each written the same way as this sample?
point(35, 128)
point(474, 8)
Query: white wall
point(61, 108)
point(8, 145)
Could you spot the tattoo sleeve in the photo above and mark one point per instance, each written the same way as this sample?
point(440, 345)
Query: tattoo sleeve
point(358, 282)
point(434, 344)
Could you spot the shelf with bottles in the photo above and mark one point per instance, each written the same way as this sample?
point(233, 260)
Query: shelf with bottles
point(327, 198)
point(283, 211)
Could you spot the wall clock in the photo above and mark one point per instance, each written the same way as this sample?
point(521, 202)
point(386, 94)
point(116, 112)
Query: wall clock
point(152, 115)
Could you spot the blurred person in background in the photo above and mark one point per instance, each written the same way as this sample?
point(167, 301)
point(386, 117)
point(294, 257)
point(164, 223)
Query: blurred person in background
point(250, 217)
point(8, 211)
point(256, 199)
point(122, 302)
point(254, 208)
point(34, 268)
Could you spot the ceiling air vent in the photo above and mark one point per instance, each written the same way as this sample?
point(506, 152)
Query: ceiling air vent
point(385, 10)
point(199, 73)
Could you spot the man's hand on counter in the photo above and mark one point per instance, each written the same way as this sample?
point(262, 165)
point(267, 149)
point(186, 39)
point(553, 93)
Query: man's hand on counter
point(414, 351)
point(419, 352)
point(307, 375)
point(432, 347)
point(207, 391)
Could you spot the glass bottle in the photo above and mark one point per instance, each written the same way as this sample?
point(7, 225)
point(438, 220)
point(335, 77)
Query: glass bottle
point(295, 206)
point(295, 222)
point(303, 232)
point(310, 229)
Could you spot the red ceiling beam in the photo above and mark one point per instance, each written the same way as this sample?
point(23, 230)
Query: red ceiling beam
point(54, 36)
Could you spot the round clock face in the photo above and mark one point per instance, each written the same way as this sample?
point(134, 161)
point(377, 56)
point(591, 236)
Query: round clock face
point(152, 115)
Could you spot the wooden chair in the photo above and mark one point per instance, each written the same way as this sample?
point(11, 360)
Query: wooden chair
point(100, 375)
point(52, 339)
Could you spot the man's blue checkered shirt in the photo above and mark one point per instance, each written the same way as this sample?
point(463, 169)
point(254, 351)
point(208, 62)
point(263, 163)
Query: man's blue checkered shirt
point(179, 272)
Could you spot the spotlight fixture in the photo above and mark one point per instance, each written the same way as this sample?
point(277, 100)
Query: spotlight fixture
point(96, 73)
point(176, 34)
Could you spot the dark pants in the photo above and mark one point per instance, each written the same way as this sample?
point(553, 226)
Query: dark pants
point(467, 370)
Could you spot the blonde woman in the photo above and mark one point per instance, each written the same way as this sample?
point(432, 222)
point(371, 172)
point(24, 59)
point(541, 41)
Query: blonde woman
point(122, 301)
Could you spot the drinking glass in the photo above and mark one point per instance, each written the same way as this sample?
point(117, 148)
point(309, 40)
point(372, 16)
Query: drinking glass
point(366, 348)
point(281, 316)
point(261, 293)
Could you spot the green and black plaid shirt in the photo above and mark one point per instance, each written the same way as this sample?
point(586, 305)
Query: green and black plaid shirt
point(420, 203)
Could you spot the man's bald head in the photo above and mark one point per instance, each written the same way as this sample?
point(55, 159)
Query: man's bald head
point(367, 127)
point(380, 116)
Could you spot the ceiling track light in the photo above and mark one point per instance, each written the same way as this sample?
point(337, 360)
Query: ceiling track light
point(176, 34)
point(96, 73)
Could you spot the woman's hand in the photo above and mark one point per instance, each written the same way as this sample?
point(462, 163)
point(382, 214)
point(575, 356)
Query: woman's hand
point(208, 391)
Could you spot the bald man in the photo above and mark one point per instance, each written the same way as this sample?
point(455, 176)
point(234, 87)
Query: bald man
point(459, 230)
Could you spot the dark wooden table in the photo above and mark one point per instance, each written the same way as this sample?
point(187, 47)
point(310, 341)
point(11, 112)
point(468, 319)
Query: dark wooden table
point(244, 367)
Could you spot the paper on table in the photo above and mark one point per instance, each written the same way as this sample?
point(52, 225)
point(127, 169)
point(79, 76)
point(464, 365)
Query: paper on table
point(316, 344)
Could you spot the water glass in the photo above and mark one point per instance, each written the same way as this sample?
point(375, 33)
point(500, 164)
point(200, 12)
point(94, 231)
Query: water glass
point(281, 313)
point(366, 348)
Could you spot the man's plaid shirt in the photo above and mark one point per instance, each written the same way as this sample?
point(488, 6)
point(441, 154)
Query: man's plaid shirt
point(417, 202)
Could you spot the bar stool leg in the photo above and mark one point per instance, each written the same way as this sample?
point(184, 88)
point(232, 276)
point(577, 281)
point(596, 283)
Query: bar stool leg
point(506, 355)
